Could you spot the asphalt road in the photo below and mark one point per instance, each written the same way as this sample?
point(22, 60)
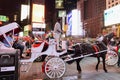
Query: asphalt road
point(88, 72)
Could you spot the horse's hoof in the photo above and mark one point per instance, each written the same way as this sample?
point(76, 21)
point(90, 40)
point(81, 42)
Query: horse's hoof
point(79, 76)
point(97, 70)
point(79, 72)
point(106, 71)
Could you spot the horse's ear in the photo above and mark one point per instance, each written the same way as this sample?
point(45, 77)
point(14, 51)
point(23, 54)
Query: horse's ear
point(109, 36)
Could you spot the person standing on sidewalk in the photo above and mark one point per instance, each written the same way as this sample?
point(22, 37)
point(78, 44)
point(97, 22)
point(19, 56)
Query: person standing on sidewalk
point(57, 32)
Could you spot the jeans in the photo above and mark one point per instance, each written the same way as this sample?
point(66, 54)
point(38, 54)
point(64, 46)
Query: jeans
point(19, 46)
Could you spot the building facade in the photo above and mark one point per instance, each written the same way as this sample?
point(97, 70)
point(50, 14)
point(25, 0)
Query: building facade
point(92, 16)
point(111, 3)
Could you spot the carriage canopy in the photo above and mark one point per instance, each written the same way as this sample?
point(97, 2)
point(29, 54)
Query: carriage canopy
point(9, 27)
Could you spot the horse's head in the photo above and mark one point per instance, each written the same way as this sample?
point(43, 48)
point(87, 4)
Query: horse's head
point(108, 37)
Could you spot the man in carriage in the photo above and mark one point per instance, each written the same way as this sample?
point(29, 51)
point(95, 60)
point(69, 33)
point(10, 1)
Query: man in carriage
point(10, 42)
point(9, 38)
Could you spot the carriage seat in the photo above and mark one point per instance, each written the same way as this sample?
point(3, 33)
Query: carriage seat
point(38, 43)
point(34, 48)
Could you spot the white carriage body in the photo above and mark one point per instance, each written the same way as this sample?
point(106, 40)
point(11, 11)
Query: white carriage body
point(35, 51)
point(8, 28)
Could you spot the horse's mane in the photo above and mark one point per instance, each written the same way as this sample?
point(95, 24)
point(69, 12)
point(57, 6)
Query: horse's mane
point(108, 37)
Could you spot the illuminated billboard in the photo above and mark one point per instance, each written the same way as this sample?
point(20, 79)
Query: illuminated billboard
point(38, 28)
point(59, 4)
point(25, 12)
point(61, 13)
point(74, 23)
point(38, 13)
point(69, 22)
point(3, 18)
point(38, 25)
point(112, 16)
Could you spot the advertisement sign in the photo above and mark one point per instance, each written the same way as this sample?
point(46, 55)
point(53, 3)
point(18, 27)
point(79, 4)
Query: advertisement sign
point(59, 4)
point(3, 18)
point(75, 27)
point(61, 13)
point(25, 11)
point(38, 19)
point(38, 25)
point(112, 16)
point(38, 28)
point(38, 13)
point(69, 22)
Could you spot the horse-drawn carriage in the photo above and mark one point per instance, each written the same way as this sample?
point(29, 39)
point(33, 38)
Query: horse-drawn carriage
point(36, 51)
point(55, 61)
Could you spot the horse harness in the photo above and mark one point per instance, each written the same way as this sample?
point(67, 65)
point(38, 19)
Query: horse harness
point(86, 48)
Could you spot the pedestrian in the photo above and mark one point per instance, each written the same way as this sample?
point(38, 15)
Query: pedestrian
point(57, 32)
point(9, 42)
point(118, 44)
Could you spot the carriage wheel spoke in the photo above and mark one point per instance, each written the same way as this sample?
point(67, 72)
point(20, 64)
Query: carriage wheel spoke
point(111, 58)
point(55, 68)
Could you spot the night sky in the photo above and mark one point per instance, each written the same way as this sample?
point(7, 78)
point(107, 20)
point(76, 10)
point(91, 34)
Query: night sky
point(8, 6)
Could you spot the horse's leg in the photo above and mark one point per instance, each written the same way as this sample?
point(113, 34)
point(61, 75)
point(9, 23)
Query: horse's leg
point(104, 67)
point(98, 58)
point(78, 65)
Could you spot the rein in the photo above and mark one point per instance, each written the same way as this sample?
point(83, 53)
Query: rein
point(82, 56)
